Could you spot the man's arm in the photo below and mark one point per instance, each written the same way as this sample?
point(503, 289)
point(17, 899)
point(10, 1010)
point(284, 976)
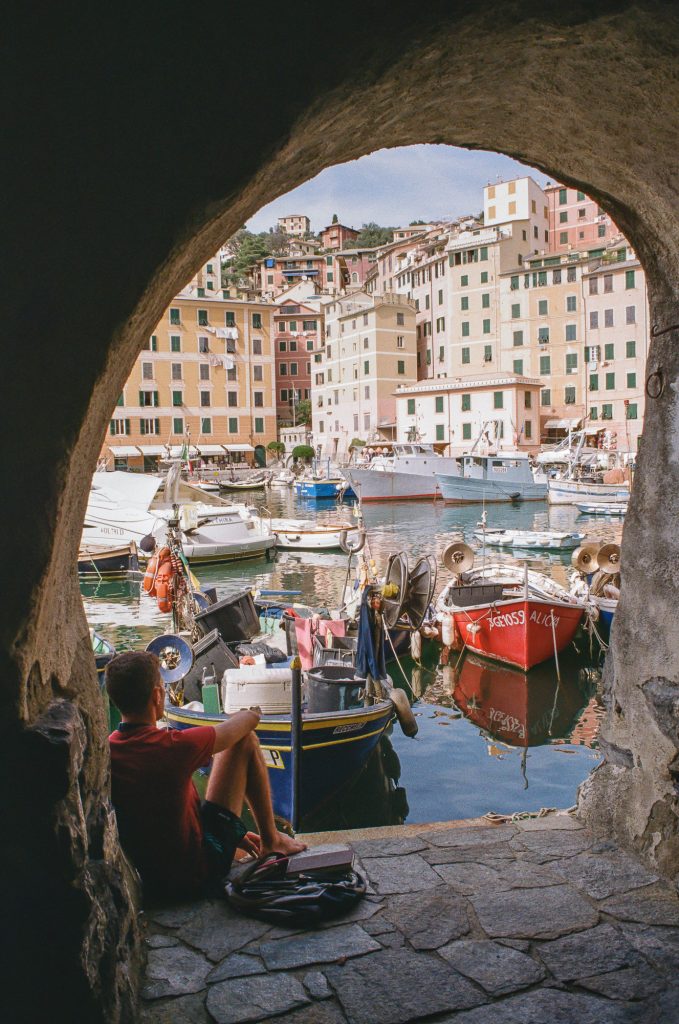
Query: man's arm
point(239, 725)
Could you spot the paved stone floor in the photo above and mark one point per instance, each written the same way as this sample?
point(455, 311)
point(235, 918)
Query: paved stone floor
point(538, 922)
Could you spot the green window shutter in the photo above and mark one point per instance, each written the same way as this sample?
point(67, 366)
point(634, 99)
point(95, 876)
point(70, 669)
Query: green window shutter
point(202, 318)
point(466, 403)
point(439, 432)
point(411, 406)
point(465, 355)
point(518, 366)
point(632, 411)
point(259, 425)
point(610, 382)
point(545, 365)
point(542, 277)
point(466, 431)
point(127, 426)
point(514, 283)
point(571, 332)
point(464, 302)
point(142, 426)
point(233, 425)
point(175, 316)
point(366, 366)
point(438, 403)
point(545, 397)
point(484, 277)
point(400, 367)
point(498, 400)
point(485, 300)
point(631, 380)
point(518, 339)
point(486, 326)
point(428, 357)
point(528, 430)
point(483, 255)
point(201, 293)
point(629, 279)
point(542, 307)
point(121, 399)
point(594, 413)
point(141, 398)
point(176, 398)
point(154, 343)
point(156, 399)
point(563, 238)
point(157, 425)
point(330, 276)
point(563, 217)
point(607, 412)
point(563, 196)
point(230, 318)
point(175, 343)
point(609, 351)
point(465, 328)
point(571, 361)
point(112, 427)
point(441, 353)
point(206, 426)
point(464, 280)
point(516, 310)
point(630, 349)
point(571, 303)
point(487, 353)
point(594, 382)
point(569, 395)
point(177, 425)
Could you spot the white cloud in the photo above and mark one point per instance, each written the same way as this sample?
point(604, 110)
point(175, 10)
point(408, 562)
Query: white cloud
point(395, 186)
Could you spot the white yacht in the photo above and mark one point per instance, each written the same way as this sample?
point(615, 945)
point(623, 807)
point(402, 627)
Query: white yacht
point(409, 472)
point(504, 476)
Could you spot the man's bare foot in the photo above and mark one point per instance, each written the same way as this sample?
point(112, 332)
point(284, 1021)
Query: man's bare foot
point(283, 844)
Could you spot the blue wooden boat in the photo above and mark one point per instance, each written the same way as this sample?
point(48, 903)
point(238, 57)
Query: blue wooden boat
point(318, 489)
point(607, 608)
point(335, 747)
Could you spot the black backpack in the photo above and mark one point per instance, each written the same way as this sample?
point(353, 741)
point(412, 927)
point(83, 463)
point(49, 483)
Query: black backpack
point(263, 890)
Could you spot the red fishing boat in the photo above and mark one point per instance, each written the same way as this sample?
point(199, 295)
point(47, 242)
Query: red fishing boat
point(512, 615)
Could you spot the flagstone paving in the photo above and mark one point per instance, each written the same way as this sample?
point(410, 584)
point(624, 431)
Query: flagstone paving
point(534, 922)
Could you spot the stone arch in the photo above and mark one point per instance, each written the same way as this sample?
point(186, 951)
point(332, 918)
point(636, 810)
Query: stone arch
point(134, 182)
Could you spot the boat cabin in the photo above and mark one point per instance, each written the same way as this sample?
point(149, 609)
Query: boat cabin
point(419, 451)
point(514, 467)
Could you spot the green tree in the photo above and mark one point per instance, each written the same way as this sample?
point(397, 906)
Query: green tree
point(370, 236)
point(303, 411)
point(414, 223)
point(335, 218)
point(303, 451)
point(276, 447)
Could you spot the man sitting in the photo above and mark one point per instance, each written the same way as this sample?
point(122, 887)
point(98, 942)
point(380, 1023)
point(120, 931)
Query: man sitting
point(178, 846)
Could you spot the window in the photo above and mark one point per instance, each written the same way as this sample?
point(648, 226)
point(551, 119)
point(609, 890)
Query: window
point(259, 425)
point(259, 399)
point(441, 353)
point(230, 318)
point(485, 300)
point(177, 425)
point(464, 302)
point(528, 429)
point(486, 326)
point(594, 320)
point(563, 238)
point(400, 319)
point(233, 424)
point(148, 398)
point(594, 413)
point(571, 361)
point(283, 369)
point(293, 325)
point(121, 399)
point(527, 400)
point(571, 332)
point(366, 421)
point(629, 279)
point(514, 283)
point(366, 366)
point(542, 278)
point(571, 303)
point(466, 431)
point(175, 343)
point(569, 395)
point(516, 310)
point(147, 371)
point(232, 399)
point(203, 344)
point(545, 365)
point(284, 394)
point(309, 325)
point(258, 373)
point(201, 292)
point(152, 344)
point(610, 382)
point(366, 344)
point(438, 403)
point(594, 286)
point(399, 341)
point(609, 351)
point(400, 367)
point(563, 196)
point(205, 398)
point(440, 296)
point(466, 403)
point(426, 302)
point(206, 425)
point(543, 334)
point(309, 345)
point(571, 275)
point(256, 346)
point(149, 426)
point(204, 372)
point(329, 277)
point(293, 370)
point(411, 406)
point(487, 353)
point(465, 355)
point(175, 316)
point(498, 400)
point(608, 283)
point(563, 217)
point(631, 380)
point(257, 322)
point(632, 411)
point(464, 280)
point(545, 397)
point(630, 314)
point(630, 349)
point(518, 365)
point(483, 254)
point(202, 318)
point(543, 307)
point(518, 339)
point(606, 412)
point(282, 346)
point(608, 318)
point(119, 426)
point(177, 398)
point(465, 328)
point(594, 382)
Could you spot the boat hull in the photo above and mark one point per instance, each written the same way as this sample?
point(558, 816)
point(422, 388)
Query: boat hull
point(607, 608)
point(574, 492)
point(459, 490)
point(603, 508)
point(300, 540)
point(527, 540)
point(335, 747)
point(315, 489)
point(383, 485)
point(111, 563)
point(216, 554)
point(518, 632)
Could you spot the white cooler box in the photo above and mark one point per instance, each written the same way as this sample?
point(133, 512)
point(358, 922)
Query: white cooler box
point(255, 686)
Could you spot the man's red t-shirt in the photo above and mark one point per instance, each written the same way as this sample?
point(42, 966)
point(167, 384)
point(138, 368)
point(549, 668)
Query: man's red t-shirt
point(157, 804)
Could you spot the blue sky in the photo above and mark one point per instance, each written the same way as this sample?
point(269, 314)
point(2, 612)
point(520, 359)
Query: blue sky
point(395, 186)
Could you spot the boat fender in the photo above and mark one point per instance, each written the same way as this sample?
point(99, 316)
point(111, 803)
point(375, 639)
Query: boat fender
point(416, 644)
point(447, 629)
point(406, 718)
point(351, 549)
point(473, 628)
point(163, 596)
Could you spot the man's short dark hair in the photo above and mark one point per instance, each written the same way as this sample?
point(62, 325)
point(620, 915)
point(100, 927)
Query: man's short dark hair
point(130, 679)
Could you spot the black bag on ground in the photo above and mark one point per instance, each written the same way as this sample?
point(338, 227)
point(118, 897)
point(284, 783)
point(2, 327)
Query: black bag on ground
point(263, 890)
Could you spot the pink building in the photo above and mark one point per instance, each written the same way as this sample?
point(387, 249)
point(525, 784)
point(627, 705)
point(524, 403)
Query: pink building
point(336, 236)
point(275, 274)
point(355, 265)
point(298, 326)
point(576, 221)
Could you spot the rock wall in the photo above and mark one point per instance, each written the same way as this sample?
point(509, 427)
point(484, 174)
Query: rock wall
point(136, 143)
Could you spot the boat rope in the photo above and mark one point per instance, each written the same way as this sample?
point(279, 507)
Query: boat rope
point(393, 650)
point(503, 819)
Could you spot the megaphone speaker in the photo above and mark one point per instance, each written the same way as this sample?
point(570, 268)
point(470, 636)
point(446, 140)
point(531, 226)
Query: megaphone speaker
point(584, 558)
point(394, 589)
point(458, 558)
point(174, 654)
point(419, 591)
point(608, 558)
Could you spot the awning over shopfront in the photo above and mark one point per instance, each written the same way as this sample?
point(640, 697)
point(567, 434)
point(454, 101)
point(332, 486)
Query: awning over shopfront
point(152, 449)
point(177, 449)
point(124, 451)
point(239, 448)
point(563, 424)
point(210, 449)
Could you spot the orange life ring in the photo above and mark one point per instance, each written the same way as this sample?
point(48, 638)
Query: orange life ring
point(156, 564)
point(164, 595)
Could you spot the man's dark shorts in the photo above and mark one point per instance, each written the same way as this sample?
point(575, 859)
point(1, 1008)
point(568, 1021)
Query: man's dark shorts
point(222, 832)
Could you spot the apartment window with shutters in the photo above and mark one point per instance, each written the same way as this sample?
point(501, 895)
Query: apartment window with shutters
point(411, 406)
point(464, 302)
point(121, 399)
point(257, 322)
point(259, 399)
point(630, 314)
point(563, 196)
point(630, 349)
point(486, 326)
point(542, 278)
point(527, 400)
point(147, 371)
point(201, 292)
point(232, 373)
point(175, 316)
point(571, 275)
point(485, 300)
point(594, 320)
point(400, 319)
point(149, 426)
point(259, 425)
point(177, 398)
point(438, 403)
point(569, 395)
point(516, 310)
point(608, 283)
point(518, 339)
point(232, 398)
point(594, 382)
point(594, 286)
point(399, 341)
point(487, 353)
point(293, 370)
point(594, 412)
point(498, 400)
point(203, 345)
point(609, 351)
point(563, 217)
point(483, 253)
point(466, 401)
point(543, 334)
point(441, 353)
point(230, 318)
point(148, 398)
point(202, 318)
point(465, 328)
point(177, 425)
point(545, 365)
point(543, 307)
point(206, 425)
point(119, 426)
point(563, 238)
point(632, 411)
point(571, 332)
point(175, 343)
point(205, 398)
point(514, 283)
point(464, 280)
point(556, 277)
point(466, 431)
point(610, 382)
point(256, 346)
point(608, 318)
point(440, 296)
point(528, 429)
point(233, 424)
point(571, 303)
point(366, 366)
point(518, 365)
point(629, 279)
point(465, 355)
point(440, 436)
point(631, 380)
point(545, 397)
point(571, 361)
point(204, 373)
point(258, 373)
point(607, 412)
point(400, 367)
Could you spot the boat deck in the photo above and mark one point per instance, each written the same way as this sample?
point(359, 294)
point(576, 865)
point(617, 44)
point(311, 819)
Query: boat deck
point(531, 920)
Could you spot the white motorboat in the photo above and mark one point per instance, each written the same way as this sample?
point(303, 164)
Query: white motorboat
point(125, 507)
point(308, 535)
point(603, 508)
point(547, 540)
point(587, 492)
point(410, 472)
point(505, 476)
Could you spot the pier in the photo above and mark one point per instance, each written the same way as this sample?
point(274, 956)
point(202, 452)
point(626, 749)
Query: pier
point(523, 922)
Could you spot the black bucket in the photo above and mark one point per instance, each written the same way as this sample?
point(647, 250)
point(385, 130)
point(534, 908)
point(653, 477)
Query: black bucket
point(333, 688)
point(235, 617)
point(342, 651)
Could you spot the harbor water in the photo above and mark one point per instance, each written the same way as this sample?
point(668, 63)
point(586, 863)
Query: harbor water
point(491, 739)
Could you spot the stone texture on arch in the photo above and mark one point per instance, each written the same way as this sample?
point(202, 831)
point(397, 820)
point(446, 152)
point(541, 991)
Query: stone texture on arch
point(140, 140)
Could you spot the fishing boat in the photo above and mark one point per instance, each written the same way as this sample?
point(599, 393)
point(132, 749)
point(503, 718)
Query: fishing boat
point(591, 479)
point(505, 476)
point(543, 540)
point(318, 488)
point(598, 582)
point(603, 508)
point(251, 483)
point(96, 561)
point(587, 492)
point(308, 535)
point(504, 612)
point(408, 473)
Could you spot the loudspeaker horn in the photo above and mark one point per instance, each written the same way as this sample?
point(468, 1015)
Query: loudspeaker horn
point(458, 558)
point(419, 591)
point(608, 559)
point(396, 579)
point(584, 558)
point(175, 656)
